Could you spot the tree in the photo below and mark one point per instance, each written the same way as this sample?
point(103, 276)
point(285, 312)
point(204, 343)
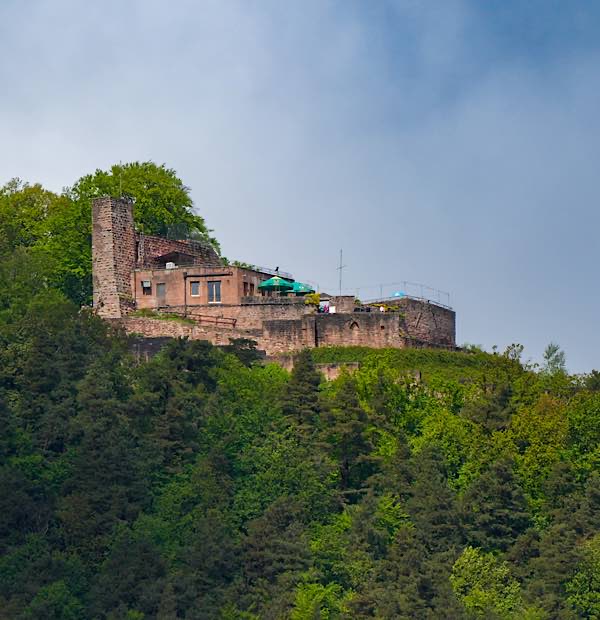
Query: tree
point(348, 435)
point(584, 588)
point(494, 508)
point(554, 360)
point(300, 401)
point(274, 555)
point(51, 231)
point(314, 600)
point(493, 410)
point(244, 349)
point(485, 586)
point(130, 578)
point(107, 484)
point(540, 434)
point(24, 213)
point(55, 602)
point(552, 569)
point(56, 229)
point(432, 505)
point(163, 205)
point(395, 590)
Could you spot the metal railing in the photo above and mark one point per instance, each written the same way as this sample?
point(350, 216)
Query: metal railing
point(398, 290)
point(217, 321)
point(272, 272)
point(201, 319)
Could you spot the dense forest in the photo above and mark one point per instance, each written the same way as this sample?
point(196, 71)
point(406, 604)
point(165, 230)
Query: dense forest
point(205, 484)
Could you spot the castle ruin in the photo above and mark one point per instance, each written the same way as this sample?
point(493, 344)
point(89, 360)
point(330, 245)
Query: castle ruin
point(139, 280)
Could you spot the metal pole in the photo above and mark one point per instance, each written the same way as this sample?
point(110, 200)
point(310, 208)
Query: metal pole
point(341, 267)
point(341, 272)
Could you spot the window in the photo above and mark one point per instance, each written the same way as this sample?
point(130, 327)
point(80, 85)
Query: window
point(251, 290)
point(160, 289)
point(245, 289)
point(146, 287)
point(195, 289)
point(214, 292)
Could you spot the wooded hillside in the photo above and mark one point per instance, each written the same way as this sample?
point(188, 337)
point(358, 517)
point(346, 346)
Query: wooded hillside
point(201, 484)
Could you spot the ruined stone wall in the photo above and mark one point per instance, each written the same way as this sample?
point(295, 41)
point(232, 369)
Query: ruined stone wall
point(150, 247)
point(343, 303)
point(326, 330)
point(375, 330)
point(427, 323)
point(250, 314)
point(113, 256)
point(277, 336)
point(330, 371)
point(253, 315)
point(158, 328)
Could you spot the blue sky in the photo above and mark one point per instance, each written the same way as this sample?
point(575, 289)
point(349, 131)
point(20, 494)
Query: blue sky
point(447, 142)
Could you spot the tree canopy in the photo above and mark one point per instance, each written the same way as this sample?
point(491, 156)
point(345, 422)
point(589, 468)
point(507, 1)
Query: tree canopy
point(202, 483)
point(48, 235)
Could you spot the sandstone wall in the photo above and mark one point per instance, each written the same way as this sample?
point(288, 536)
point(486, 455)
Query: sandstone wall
point(150, 247)
point(277, 336)
point(330, 371)
point(158, 328)
point(249, 314)
point(427, 324)
point(113, 256)
point(377, 330)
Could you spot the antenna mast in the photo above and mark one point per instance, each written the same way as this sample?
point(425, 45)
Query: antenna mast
point(340, 269)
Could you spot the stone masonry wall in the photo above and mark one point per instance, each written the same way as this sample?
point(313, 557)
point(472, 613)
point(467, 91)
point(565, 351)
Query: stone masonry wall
point(277, 336)
point(113, 256)
point(427, 324)
point(377, 330)
point(281, 336)
point(330, 371)
point(156, 328)
point(249, 315)
point(150, 247)
point(253, 312)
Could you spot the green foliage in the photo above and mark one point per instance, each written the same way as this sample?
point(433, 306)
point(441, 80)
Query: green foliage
point(45, 238)
point(162, 202)
point(314, 600)
point(495, 508)
point(431, 362)
point(554, 359)
point(584, 588)
point(281, 465)
point(55, 602)
point(162, 316)
point(300, 402)
point(203, 484)
point(485, 586)
point(312, 299)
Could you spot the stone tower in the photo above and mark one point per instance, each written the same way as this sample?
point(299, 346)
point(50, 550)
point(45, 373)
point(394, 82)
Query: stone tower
point(113, 256)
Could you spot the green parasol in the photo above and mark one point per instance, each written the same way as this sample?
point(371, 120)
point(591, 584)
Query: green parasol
point(302, 289)
point(276, 283)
